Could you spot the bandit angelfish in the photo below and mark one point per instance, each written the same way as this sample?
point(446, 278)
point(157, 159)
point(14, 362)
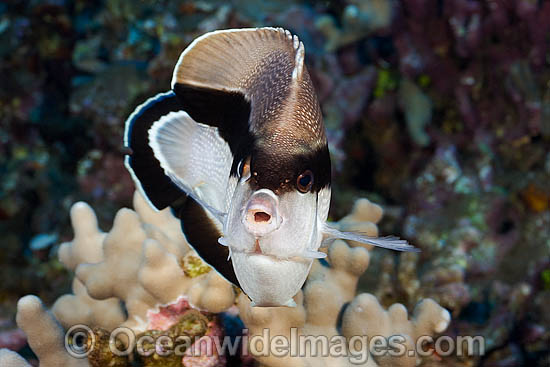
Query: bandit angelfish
point(238, 150)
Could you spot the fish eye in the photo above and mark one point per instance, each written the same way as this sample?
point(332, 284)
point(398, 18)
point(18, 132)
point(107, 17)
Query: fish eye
point(305, 181)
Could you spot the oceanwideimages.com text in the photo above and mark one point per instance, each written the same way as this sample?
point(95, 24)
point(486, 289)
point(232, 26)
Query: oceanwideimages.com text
point(80, 341)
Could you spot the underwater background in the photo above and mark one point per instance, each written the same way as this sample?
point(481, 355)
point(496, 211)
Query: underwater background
point(437, 110)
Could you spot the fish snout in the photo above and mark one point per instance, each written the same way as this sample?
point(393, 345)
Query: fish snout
point(261, 215)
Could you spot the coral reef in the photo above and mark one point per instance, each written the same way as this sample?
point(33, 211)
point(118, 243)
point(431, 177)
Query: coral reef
point(327, 305)
point(143, 276)
point(45, 335)
point(462, 174)
point(136, 263)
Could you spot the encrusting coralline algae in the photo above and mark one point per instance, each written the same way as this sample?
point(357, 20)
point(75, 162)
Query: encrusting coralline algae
point(142, 275)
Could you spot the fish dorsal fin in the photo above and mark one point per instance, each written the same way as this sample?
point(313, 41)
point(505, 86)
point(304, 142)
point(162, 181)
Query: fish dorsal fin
point(229, 60)
point(251, 84)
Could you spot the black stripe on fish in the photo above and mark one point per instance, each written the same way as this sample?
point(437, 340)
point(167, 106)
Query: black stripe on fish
point(282, 173)
point(253, 85)
point(149, 176)
point(202, 234)
point(266, 66)
point(228, 111)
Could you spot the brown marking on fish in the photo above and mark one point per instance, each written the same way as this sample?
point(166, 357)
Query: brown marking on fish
point(257, 248)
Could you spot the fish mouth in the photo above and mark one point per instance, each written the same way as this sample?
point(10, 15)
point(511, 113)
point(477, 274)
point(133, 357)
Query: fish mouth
point(261, 214)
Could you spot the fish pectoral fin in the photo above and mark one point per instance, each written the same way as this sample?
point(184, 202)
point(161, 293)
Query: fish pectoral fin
point(310, 254)
point(390, 242)
point(223, 241)
point(198, 185)
point(229, 255)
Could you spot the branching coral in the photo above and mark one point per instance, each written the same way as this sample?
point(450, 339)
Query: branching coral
point(86, 247)
point(133, 270)
point(45, 337)
point(144, 276)
point(137, 263)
